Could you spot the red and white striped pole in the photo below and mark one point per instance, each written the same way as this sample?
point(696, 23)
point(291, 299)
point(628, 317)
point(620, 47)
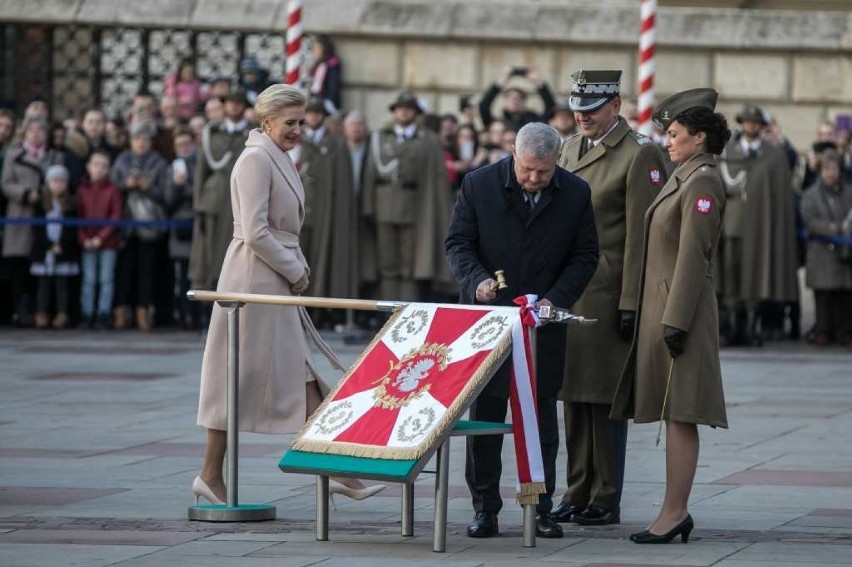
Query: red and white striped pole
point(647, 51)
point(293, 73)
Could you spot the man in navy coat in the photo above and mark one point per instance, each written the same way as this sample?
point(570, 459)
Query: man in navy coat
point(533, 220)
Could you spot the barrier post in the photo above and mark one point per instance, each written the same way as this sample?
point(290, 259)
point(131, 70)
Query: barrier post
point(232, 511)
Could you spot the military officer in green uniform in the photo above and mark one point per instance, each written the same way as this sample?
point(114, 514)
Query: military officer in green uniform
point(406, 193)
point(222, 142)
point(625, 171)
point(329, 230)
point(758, 261)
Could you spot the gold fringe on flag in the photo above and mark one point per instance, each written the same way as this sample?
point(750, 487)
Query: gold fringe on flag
point(530, 491)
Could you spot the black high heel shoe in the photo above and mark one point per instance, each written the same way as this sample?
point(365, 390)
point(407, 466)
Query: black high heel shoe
point(683, 530)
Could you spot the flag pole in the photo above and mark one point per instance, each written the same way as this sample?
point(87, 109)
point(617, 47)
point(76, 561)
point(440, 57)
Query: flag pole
point(293, 69)
point(296, 300)
point(647, 59)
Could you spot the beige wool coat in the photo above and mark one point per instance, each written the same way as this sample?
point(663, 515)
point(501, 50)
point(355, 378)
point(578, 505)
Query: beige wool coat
point(625, 171)
point(21, 176)
point(682, 228)
point(263, 257)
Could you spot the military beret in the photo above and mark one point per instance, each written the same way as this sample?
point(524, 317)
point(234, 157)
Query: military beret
point(408, 100)
point(751, 113)
point(668, 110)
point(591, 89)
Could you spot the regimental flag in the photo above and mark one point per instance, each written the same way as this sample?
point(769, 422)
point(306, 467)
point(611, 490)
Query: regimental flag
point(412, 383)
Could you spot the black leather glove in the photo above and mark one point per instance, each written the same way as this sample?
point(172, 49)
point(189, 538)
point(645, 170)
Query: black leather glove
point(627, 325)
point(674, 340)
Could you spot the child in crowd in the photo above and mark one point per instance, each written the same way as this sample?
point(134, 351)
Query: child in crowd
point(98, 199)
point(54, 251)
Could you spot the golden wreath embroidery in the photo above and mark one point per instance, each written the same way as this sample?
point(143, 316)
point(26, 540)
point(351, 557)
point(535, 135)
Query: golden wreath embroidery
point(416, 425)
point(404, 380)
point(487, 332)
point(411, 324)
point(336, 417)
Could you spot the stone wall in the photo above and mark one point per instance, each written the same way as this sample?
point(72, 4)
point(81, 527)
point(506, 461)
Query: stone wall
point(797, 64)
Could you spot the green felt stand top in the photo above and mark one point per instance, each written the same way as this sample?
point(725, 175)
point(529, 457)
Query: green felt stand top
point(380, 469)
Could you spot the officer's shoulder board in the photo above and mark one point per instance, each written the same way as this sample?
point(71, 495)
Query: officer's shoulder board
point(640, 139)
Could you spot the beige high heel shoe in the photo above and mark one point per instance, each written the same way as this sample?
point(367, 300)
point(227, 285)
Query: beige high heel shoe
point(335, 487)
point(200, 488)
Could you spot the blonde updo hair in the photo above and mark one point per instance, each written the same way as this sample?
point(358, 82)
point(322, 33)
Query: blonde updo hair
point(275, 98)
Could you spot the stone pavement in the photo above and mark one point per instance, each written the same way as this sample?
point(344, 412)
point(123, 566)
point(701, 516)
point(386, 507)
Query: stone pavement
point(98, 446)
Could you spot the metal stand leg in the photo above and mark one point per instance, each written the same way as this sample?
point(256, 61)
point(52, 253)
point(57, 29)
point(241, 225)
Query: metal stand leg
point(529, 525)
point(233, 441)
point(232, 511)
point(439, 543)
point(322, 508)
point(407, 509)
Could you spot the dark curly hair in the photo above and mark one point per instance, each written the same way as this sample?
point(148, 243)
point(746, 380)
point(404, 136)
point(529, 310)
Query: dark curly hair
point(713, 124)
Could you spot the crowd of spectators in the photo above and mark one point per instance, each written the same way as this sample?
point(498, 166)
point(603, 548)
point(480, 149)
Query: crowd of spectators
point(140, 166)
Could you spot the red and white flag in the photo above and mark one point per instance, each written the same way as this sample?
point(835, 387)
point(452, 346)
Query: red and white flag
point(419, 375)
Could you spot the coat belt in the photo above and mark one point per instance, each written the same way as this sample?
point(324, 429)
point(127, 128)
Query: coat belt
point(287, 239)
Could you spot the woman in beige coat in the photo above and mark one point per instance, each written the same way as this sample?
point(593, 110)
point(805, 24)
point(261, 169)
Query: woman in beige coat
point(278, 387)
point(24, 168)
point(673, 371)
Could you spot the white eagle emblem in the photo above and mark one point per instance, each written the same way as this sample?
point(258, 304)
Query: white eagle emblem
point(703, 205)
point(654, 175)
point(410, 377)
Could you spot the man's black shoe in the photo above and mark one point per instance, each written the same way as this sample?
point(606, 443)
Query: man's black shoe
point(565, 513)
point(596, 516)
point(484, 525)
point(546, 527)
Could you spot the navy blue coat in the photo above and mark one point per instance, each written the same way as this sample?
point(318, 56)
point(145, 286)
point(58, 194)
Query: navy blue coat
point(551, 251)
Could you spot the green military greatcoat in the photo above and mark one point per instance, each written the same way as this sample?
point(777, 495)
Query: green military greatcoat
point(625, 172)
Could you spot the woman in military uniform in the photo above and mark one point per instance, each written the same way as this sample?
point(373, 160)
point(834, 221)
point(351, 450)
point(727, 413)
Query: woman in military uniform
point(673, 372)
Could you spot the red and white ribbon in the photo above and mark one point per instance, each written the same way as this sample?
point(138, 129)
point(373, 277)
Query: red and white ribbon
point(522, 400)
point(647, 52)
point(293, 74)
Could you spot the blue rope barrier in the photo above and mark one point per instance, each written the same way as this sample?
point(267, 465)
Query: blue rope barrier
point(123, 223)
point(841, 240)
point(187, 223)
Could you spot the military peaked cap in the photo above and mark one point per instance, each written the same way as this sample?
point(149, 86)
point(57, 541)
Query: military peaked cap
point(406, 99)
point(751, 113)
point(591, 89)
point(668, 110)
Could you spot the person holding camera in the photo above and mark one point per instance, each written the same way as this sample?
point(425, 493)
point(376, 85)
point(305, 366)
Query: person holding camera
point(516, 114)
point(178, 200)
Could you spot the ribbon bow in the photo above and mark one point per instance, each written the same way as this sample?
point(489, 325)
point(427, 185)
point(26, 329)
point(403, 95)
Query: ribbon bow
point(529, 313)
